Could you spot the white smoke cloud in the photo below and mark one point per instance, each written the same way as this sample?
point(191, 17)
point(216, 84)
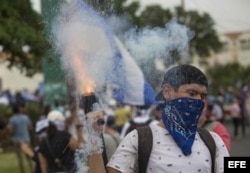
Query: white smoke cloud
point(153, 43)
point(77, 36)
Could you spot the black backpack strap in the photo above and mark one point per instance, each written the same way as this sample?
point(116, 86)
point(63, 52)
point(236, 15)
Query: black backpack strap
point(104, 152)
point(210, 143)
point(145, 141)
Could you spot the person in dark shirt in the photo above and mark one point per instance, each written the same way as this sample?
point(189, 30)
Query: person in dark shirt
point(56, 151)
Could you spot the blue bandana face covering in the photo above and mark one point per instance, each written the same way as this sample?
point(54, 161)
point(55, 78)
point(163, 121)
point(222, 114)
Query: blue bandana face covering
point(180, 117)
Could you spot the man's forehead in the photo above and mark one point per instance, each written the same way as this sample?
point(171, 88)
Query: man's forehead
point(195, 87)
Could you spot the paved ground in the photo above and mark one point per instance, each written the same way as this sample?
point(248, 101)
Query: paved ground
point(241, 146)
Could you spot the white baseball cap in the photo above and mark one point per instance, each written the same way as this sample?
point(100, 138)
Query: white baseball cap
point(55, 116)
point(41, 124)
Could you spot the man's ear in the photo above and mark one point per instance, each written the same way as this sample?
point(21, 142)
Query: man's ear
point(167, 91)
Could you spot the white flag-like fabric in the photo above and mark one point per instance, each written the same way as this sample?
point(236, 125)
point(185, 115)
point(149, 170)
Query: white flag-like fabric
point(138, 91)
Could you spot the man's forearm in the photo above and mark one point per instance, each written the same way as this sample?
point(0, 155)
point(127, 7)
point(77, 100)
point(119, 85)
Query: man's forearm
point(96, 163)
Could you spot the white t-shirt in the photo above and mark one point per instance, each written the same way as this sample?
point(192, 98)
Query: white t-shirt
point(166, 156)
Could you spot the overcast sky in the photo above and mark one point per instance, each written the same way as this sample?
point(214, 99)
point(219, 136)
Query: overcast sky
point(229, 15)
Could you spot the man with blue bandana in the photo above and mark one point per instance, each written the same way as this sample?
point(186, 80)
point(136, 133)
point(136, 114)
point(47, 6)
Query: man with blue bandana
point(177, 146)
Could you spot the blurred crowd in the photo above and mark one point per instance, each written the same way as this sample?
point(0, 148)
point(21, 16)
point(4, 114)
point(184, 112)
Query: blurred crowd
point(231, 106)
point(63, 122)
point(60, 122)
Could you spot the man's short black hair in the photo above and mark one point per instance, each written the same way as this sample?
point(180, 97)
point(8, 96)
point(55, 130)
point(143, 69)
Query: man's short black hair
point(16, 109)
point(181, 75)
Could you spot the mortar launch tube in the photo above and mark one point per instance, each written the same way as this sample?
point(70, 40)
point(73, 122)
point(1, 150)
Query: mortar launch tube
point(87, 103)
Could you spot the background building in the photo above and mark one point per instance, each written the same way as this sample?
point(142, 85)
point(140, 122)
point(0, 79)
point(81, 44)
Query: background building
point(13, 80)
point(236, 48)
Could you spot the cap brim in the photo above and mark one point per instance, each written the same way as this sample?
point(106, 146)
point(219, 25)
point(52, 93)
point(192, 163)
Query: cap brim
point(41, 124)
point(159, 96)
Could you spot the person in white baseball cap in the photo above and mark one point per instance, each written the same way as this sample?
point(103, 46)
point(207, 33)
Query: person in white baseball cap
point(56, 151)
point(57, 119)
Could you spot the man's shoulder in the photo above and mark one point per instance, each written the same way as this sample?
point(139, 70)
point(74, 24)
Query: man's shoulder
point(216, 137)
point(14, 118)
point(23, 117)
point(213, 134)
point(156, 130)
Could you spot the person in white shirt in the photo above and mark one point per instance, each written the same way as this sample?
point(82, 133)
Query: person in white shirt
point(177, 146)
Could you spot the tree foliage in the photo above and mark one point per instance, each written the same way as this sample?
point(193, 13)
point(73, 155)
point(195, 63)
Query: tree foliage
point(205, 39)
point(230, 75)
point(22, 28)
point(154, 16)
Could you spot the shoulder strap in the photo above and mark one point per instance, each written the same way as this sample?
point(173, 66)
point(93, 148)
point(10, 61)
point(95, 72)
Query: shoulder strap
point(104, 154)
point(145, 141)
point(210, 143)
